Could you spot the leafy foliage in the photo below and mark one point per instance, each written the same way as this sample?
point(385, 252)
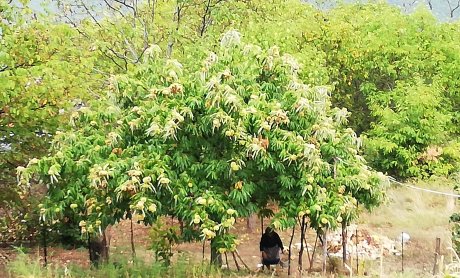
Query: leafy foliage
point(381, 46)
point(44, 72)
point(384, 63)
point(192, 119)
point(455, 221)
point(207, 146)
point(162, 238)
point(412, 115)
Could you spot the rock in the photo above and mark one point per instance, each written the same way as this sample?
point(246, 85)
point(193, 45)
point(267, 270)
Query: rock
point(367, 246)
point(297, 246)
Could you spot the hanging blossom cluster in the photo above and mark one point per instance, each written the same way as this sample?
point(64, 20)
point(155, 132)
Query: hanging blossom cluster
point(230, 39)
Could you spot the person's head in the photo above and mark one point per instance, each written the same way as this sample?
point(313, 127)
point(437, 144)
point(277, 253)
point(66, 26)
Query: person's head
point(269, 230)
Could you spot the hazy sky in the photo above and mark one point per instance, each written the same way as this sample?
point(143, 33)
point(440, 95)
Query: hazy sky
point(440, 7)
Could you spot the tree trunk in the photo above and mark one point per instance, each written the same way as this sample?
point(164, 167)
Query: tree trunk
point(216, 257)
point(181, 226)
point(302, 236)
point(344, 242)
point(133, 249)
point(236, 261)
point(290, 250)
point(202, 250)
point(251, 223)
point(262, 225)
point(105, 248)
point(98, 250)
point(324, 263)
point(45, 253)
point(311, 260)
point(241, 259)
point(226, 260)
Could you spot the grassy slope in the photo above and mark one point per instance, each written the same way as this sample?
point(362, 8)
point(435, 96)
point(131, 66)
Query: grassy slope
point(424, 216)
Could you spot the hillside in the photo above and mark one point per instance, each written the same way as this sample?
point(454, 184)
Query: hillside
point(185, 118)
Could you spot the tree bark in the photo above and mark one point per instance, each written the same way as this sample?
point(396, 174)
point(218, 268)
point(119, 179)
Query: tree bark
point(105, 248)
point(216, 257)
point(324, 263)
point(290, 250)
point(241, 259)
point(344, 242)
point(133, 249)
point(45, 253)
point(262, 225)
point(313, 253)
point(236, 262)
point(226, 260)
point(302, 236)
point(98, 250)
point(251, 223)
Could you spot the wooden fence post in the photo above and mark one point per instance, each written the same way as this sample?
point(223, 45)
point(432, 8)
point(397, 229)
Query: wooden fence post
point(437, 252)
point(381, 261)
point(402, 252)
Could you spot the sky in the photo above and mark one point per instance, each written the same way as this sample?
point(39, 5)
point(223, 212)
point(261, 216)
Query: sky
point(440, 7)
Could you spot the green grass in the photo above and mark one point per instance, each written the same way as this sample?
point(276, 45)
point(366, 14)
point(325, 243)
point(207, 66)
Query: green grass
point(23, 266)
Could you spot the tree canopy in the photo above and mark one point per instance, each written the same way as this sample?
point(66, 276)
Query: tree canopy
point(207, 146)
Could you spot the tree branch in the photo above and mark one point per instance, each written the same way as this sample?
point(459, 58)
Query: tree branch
point(430, 5)
point(113, 8)
point(127, 5)
point(5, 68)
point(90, 14)
point(153, 11)
point(113, 60)
point(454, 9)
point(11, 163)
point(131, 49)
point(76, 26)
point(204, 18)
point(42, 106)
point(145, 33)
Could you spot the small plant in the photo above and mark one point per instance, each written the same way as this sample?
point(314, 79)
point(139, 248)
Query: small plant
point(455, 221)
point(21, 249)
point(185, 267)
point(452, 269)
point(162, 238)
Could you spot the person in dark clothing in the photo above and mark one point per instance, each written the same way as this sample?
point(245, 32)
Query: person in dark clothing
point(270, 247)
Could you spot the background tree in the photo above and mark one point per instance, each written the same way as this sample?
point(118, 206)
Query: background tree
point(44, 76)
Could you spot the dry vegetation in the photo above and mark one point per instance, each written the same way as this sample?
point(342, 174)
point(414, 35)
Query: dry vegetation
point(424, 216)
